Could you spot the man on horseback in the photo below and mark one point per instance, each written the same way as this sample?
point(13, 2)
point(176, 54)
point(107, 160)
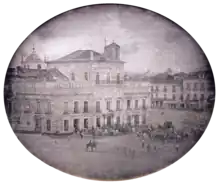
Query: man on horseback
point(91, 144)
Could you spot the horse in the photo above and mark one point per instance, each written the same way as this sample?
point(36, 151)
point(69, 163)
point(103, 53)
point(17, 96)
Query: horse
point(91, 144)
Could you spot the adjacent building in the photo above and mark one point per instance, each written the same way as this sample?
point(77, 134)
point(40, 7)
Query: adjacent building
point(192, 91)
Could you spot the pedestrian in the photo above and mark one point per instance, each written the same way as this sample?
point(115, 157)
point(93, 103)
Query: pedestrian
point(148, 147)
point(125, 151)
point(133, 154)
point(142, 143)
point(81, 134)
point(177, 147)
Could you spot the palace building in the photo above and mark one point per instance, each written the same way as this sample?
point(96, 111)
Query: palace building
point(81, 90)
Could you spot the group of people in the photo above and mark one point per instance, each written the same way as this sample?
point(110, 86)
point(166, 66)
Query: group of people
point(148, 147)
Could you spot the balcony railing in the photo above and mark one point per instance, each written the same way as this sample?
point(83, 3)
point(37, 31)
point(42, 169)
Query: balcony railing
point(48, 112)
point(105, 82)
point(27, 111)
point(195, 89)
point(65, 112)
point(38, 112)
point(76, 111)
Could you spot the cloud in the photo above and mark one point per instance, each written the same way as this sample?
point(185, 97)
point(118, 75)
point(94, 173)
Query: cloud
point(147, 39)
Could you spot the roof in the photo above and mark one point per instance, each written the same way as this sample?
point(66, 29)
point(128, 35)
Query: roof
point(80, 55)
point(49, 75)
point(164, 75)
point(180, 74)
point(112, 45)
point(165, 81)
point(208, 75)
point(33, 58)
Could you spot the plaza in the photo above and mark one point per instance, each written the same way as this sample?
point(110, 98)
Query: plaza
point(71, 157)
point(123, 154)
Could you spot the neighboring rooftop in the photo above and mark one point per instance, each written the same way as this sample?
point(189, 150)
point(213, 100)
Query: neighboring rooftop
point(40, 74)
point(33, 57)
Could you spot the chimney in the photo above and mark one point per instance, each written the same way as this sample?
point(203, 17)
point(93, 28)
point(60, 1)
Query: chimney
point(91, 55)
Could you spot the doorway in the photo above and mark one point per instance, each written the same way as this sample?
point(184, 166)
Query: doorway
point(109, 121)
point(38, 125)
point(76, 124)
point(136, 120)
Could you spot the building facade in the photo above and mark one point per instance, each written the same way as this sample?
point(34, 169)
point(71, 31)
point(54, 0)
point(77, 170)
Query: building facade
point(192, 91)
point(82, 90)
point(88, 89)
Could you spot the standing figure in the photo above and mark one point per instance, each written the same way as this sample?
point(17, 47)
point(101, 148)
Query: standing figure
point(142, 143)
point(148, 147)
point(133, 154)
point(125, 151)
point(93, 132)
point(177, 147)
point(81, 134)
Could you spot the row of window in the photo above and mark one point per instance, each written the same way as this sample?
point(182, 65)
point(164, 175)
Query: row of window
point(97, 80)
point(164, 89)
point(86, 106)
point(98, 122)
point(195, 86)
point(195, 97)
point(188, 87)
point(28, 66)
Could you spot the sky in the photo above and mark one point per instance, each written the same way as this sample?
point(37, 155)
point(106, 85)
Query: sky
point(148, 41)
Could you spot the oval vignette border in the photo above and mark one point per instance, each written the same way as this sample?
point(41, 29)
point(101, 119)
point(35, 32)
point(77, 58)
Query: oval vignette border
point(55, 171)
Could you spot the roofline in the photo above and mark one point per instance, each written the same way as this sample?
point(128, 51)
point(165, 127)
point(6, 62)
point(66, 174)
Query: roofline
point(82, 61)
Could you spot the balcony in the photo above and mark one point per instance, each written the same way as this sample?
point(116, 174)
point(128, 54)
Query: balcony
point(85, 110)
point(118, 109)
point(76, 111)
point(27, 111)
point(38, 112)
point(48, 112)
point(195, 89)
point(98, 111)
point(65, 112)
point(111, 82)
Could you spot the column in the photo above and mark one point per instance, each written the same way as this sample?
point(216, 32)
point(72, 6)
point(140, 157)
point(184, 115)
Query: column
point(102, 120)
point(94, 121)
point(140, 119)
point(105, 120)
point(132, 119)
point(81, 123)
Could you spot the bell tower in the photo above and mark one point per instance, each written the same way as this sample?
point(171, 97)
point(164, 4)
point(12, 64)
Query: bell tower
point(112, 51)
